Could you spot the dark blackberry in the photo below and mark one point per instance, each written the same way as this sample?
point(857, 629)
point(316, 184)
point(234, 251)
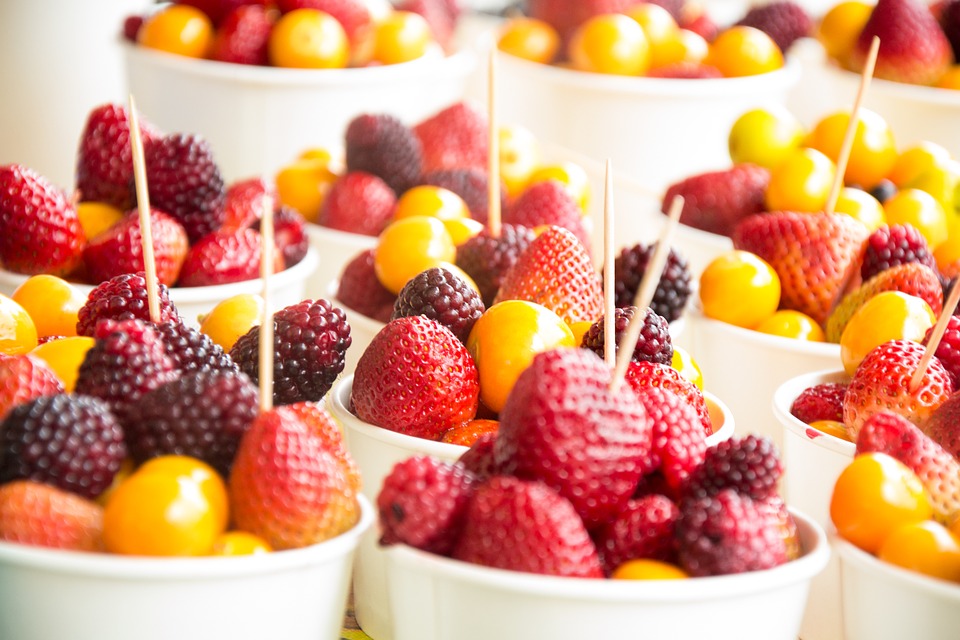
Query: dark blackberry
point(653, 345)
point(891, 245)
point(191, 350)
point(202, 414)
point(470, 183)
point(70, 441)
point(749, 465)
point(673, 290)
point(487, 259)
point(310, 340)
point(442, 296)
point(883, 191)
point(360, 290)
point(382, 145)
point(185, 182)
point(643, 529)
point(123, 297)
point(820, 402)
point(950, 21)
point(784, 21)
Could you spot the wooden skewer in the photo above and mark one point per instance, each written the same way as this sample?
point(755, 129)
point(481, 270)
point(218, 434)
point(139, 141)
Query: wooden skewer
point(938, 330)
point(493, 148)
point(143, 207)
point(266, 324)
point(609, 311)
point(847, 146)
point(648, 287)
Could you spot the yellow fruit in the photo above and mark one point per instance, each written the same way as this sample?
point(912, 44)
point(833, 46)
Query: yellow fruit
point(530, 39)
point(831, 427)
point(920, 209)
point(303, 184)
point(179, 29)
point(18, 333)
point(764, 136)
point(53, 304)
point(97, 217)
point(411, 245)
point(231, 318)
point(915, 161)
point(889, 315)
point(800, 182)
point(610, 43)
point(792, 324)
point(744, 51)
point(647, 569)
point(739, 288)
point(862, 206)
point(65, 356)
point(840, 26)
point(428, 200)
point(462, 229)
point(874, 151)
point(308, 39)
point(400, 37)
point(519, 157)
point(687, 366)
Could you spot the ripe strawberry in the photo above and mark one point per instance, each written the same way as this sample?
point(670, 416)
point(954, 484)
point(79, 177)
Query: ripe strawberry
point(243, 203)
point(467, 434)
point(358, 202)
point(479, 459)
point(487, 259)
point(39, 229)
point(289, 234)
point(679, 441)
point(815, 255)
point(687, 71)
point(882, 382)
point(122, 298)
point(563, 426)
point(384, 146)
point(555, 271)
point(938, 469)
point(353, 15)
point(784, 21)
point(119, 250)
point(454, 138)
point(104, 157)
point(243, 36)
point(289, 484)
point(913, 47)
point(360, 289)
point(891, 245)
point(941, 426)
point(820, 402)
point(948, 351)
point(644, 529)
point(642, 374)
point(548, 203)
point(40, 515)
point(225, 257)
point(25, 377)
point(912, 278)
point(750, 465)
point(470, 184)
point(524, 525)
point(716, 201)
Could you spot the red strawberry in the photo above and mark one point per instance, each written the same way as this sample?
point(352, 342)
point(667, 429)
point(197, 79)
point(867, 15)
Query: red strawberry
point(644, 529)
point(555, 271)
point(948, 351)
point(687, 71)
point(820, 402)
point(523, 525)
point(643, 374)
point(217, 10)
point(224, 257)
point(25, 377)
point(679, 440)
point(882, 382)
point(913, 47)
point(358, 202)
point(39, 229)
point(941, 426)
point(716, 201)
point(44, 516)
point(416, 378)
point(548, 203)
point(815, 255)
point(289, 484)
point(352, 15)
point(243, 204)
point(360, 289)
point(784, 21)
point(562, 425)
point(468, 433)
point(454, 138)
point(243, 36)
point(119, 250)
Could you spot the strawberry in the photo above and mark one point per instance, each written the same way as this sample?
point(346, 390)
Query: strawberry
point(555, 271)
point(360, 289)
point(225, 257)
point(25, 377)
point(44, 516)
point(820, 402)
point(454, 138)
point(912, 278)
point(882, 382)
point(679, 440)
point(416, 378)
point(479, 459)
point(642, 374)
point(716, 201)
point(784, 21)
point(941, 425)
point(243, 203)
point(40, 231)
point(913, 47)
point(815, 255)
point(487, 259)
point(243, 36)
point(358, 202)
point(644, 529)
point(548, 203)
point(524, 525)
point(119, 250)
point(289, 484)
point(562, 425)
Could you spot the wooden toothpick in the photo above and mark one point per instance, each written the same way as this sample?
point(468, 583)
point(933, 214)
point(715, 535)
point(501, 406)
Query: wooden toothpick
point(266, 324)
point(143, 207)
point(938, 330)
point(609, 308)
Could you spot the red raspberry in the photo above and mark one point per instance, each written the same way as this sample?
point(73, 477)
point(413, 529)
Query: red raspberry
point(820, 402)
point(442, 296)
point(358, 202)
point(673, 291)
point(360, 289)
point(470, 184)
point(749, 465)
point(43, 516)
point(224, 257)
point(479, 458)
point(191, 350)
point(310, 339)
point(122, 298)
point(25, 377)
point(119, 250)
point(644, 529)
point(382, 145)
point(679, 441)
point(289, 234)
point(423, 502)
point(716, 201)
point(784, 21)
point(653, 345)
point(454, 138)
point(643, 374)
point(893, 245)
point(487, 259)
point(948, 351)
point(243, 36)
point(69, 441)
point(548, 203)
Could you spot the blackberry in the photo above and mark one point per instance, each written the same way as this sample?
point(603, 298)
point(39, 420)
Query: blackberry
point(673, 290)
point(653, 345)
point(360, 290)
point(123, 297)
point(784, 21)
point(749, 465)
point(820, 402)
point(310, 340)
point(950, 22)
point(185, 181)
point(892, 245)
point(883, 191)
point(202, 414)
point(487, 259)
point(382, 145)
point(191, 350)
point(70, 441)
point(442, 296)
point(470, 183)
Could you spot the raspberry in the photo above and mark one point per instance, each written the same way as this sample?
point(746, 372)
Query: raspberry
point(469, 183)
point(644, 529)
point(653, 345)
point(892, 245)
point(716, 201)
point(25, 377)
point(360, 289)
point(382, 145)
point(728, 533)
point(423, 502)
point(358, 202)
point(948, 351)
point(243, 36)
point(679, 443)
point(784, 21)
point(310, 340)
point(673, 290)
point(749, 465)
point(70, 441)
point(820, 402)
point(442, 296)
point(123, 297)
point(487, 259)
point(185, 182)
point(202, 414)
point(191, 350)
